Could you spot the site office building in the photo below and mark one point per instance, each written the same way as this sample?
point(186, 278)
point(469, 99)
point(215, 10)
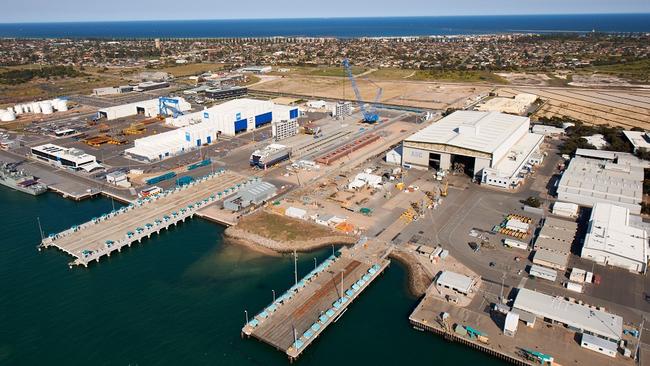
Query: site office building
point(494, 147)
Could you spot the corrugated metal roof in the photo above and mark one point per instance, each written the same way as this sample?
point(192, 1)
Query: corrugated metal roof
point(478, 131)
point(578, 316)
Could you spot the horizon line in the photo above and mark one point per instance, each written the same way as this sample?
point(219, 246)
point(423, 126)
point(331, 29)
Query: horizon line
point(316, 18)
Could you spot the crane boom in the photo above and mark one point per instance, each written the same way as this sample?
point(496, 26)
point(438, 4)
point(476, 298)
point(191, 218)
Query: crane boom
point(369, 116)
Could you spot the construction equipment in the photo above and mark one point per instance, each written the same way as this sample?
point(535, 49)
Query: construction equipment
point(409, 215)
point(444, 187)
point(117, 141)
point(478, 335)
point(167, 105)
point(97, 140)
point(538, 357)
point(134, 129)
point(103, 127)
point(369, 114)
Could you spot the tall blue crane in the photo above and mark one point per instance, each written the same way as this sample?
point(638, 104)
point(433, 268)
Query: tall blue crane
point(168, 104)
point(370, 113)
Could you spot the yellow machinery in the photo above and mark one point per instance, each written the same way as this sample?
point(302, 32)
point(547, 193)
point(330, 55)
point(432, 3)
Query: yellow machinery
point(134, 129)
point(97, 140)
point(444, 188)
point(409, 215)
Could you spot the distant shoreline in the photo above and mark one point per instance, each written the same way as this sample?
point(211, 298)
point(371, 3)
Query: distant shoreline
point(341, 28)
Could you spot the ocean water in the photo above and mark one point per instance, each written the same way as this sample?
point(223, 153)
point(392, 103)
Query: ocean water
point(334, 27)
point(178, 299)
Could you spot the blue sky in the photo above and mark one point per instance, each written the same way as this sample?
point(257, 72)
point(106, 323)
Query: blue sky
point(89, 10)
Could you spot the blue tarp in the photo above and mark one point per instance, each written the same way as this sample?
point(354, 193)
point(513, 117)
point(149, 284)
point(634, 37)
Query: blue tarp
point(315, 327)
point(366, 277)
point(356, 287)
point(272, 308)
point(329, 313)
point(298, 344)
point(264, 314)
point(253, 323)
point(308, 334)
point(349, 292)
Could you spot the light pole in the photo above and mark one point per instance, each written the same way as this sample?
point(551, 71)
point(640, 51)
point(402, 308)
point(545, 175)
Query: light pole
point(273, 291)
point(315, 265)
point(503, 278)
point(295, 267)
point(246, 313)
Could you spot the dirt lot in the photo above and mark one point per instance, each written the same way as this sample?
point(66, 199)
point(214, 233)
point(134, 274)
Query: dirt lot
point(626, 108)
point(281, 228)
point(525, 78)
point(408, 93)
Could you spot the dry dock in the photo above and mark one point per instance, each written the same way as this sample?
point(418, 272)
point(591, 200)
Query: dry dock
point(296, 318)
point(111, 232)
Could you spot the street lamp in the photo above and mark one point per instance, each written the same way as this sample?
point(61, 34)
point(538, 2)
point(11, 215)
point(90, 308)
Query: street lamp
point(273, 291)
point(246, 313)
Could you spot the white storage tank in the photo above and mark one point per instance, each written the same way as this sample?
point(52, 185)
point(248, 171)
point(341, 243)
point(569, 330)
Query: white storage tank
point(36, 108)
point(7, 115)
point(61, 105)
point(46, 107)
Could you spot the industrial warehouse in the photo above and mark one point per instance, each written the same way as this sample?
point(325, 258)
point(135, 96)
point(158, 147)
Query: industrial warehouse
point(69, 158)
point(494, 148)
point(612, 240)
point(603, 176)
point(578, 317)
point(205, 127)
point(148, 108)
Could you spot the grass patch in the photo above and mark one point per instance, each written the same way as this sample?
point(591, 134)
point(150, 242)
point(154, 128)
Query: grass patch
point(251, 79)
point(281, 228)
point(46, 89)
point(336, 71)
point(392, 74)
point(191, 69)
point(636, 70)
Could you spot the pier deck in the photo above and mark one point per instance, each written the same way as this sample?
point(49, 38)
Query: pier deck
point(94, 239)
point(298, 317)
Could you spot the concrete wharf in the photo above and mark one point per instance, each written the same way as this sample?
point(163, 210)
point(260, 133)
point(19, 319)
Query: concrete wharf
point(111, 232)
point(296, 318)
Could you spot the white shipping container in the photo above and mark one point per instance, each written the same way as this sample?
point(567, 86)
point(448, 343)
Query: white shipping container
point(515, 244)
point(577, 275)
point(572, 286)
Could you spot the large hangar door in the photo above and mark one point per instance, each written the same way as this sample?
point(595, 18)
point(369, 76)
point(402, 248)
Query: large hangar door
point(434, 161)
point(463, 164)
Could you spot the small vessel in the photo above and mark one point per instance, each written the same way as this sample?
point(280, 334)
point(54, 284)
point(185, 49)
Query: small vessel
point(16, 179)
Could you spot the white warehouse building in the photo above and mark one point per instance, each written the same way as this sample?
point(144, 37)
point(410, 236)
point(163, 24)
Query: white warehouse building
point(164, 145)
point(238, 115)
point(495, 148)
point(205, 127)
point(149, 108)
point(611, 240)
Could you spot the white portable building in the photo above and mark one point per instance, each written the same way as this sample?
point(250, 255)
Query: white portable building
point(296, 213)
point(598, 344)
